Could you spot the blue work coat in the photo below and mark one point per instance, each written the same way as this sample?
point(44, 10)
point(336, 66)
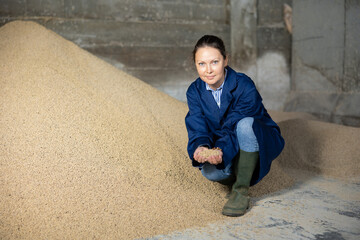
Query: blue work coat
point(207, 124)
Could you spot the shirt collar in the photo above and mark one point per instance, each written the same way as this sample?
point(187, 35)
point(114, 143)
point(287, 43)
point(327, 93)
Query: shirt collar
point(219, 88)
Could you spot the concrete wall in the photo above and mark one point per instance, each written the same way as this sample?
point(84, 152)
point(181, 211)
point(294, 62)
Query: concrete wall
point(325, 60)
point(316, 69)
point(153, 39)
point(261, 47)
point(150, 39)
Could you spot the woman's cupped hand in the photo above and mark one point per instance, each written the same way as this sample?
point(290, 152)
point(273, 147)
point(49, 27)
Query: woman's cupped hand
point(212, 156)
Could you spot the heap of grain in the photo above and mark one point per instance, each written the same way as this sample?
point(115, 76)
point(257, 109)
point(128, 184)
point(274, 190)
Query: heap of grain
point(88, 151)
point(323, 148)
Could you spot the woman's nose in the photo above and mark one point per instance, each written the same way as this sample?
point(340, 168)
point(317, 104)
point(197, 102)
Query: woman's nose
point(208, 69)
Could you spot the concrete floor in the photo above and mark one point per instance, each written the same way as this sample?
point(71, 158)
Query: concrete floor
point(316, 207)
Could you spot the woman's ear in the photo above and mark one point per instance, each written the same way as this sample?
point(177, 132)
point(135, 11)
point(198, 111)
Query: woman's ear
point(227, 60)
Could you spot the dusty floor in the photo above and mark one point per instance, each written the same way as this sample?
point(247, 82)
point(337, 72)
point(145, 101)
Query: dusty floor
point(316, 207)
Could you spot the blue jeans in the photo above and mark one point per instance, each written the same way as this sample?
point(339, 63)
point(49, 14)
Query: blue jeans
point(247, 142)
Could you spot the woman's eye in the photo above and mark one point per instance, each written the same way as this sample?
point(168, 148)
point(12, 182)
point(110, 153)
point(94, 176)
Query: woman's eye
point(201, 64)
point(215, 62)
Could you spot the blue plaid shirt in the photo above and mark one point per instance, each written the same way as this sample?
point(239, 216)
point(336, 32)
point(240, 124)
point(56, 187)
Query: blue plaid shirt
point(217, 93)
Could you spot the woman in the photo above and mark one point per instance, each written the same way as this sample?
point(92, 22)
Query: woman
point(226, 113)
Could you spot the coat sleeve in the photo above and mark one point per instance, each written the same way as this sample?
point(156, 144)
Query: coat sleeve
point(198, 131)
point(247, 103)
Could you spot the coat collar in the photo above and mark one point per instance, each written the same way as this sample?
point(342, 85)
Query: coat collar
point(226, 95)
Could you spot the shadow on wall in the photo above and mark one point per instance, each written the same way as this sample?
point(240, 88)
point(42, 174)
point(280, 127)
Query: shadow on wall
point(272, 78)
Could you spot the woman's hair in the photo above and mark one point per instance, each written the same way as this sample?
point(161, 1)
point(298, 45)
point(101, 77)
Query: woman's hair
point(210, 41)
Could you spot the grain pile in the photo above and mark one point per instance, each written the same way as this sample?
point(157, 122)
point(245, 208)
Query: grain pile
point(324, 148)
point(88, 151)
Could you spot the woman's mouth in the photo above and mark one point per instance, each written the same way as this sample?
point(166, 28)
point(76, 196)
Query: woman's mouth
point(210, 77)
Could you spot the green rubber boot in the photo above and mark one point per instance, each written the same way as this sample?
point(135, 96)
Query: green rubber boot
point(239, 200)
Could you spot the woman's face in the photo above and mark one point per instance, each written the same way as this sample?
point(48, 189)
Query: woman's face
point(210, 65)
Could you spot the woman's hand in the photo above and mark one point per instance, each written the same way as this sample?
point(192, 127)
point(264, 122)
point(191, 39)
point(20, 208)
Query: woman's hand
point(215, 159)
point(215, 156)
point(197, 156)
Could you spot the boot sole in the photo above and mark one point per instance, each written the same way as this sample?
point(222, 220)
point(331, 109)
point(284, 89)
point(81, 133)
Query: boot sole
point(232, 214)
